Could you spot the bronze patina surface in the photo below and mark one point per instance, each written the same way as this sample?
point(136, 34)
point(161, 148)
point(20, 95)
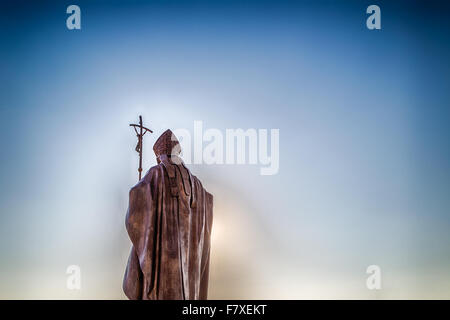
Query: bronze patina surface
point(169, 222)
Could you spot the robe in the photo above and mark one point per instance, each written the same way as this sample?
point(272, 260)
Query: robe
point(169, 221)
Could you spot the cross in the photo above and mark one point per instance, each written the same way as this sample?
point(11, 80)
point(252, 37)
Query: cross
point(140, 134)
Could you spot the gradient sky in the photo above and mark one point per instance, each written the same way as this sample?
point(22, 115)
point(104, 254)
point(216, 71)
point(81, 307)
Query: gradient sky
point(364, 141)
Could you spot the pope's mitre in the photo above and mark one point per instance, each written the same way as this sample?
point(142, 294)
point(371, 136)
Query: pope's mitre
point(167, 143)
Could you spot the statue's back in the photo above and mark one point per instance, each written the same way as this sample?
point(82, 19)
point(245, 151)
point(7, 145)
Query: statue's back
point(169, 222)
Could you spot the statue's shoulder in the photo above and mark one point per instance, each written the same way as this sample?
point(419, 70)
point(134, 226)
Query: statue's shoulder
point(152, 176)
point(155, 170)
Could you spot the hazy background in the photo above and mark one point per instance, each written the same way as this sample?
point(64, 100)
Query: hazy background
point(364, 142)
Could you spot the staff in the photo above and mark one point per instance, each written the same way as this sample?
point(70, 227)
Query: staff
point(140, 134)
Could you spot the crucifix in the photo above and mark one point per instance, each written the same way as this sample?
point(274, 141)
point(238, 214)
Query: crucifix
point(140, 131)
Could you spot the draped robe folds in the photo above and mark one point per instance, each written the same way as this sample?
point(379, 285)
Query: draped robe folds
point(169, 222)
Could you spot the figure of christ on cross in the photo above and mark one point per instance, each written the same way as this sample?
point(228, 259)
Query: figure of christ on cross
point(140, 131)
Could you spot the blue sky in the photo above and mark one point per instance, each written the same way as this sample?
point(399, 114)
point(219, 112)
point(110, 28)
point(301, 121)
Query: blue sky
point(364, 153)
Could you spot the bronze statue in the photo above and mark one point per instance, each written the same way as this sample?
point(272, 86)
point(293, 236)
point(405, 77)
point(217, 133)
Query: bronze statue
point(140, 135)
point(169, 222)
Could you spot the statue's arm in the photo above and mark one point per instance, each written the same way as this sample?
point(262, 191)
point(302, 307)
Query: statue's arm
point(140, 224)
